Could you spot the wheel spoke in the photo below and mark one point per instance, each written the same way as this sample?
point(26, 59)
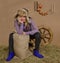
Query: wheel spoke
point(46, 34)
point(44, 40)
point(47, 37)
point(43, 31)
point(40, 31)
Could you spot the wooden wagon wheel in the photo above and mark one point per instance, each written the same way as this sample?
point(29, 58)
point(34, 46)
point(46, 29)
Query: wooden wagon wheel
point(46, 35)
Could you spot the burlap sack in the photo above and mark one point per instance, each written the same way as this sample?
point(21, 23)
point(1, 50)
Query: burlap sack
point(21, 46)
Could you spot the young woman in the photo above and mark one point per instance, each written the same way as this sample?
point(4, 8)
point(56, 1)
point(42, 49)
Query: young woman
point(25, 25)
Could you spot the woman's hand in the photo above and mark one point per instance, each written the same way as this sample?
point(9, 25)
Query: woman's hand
point(20, 21)
point(24, 33)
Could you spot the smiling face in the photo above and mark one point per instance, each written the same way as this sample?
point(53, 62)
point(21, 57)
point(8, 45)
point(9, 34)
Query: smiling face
point(21, 18)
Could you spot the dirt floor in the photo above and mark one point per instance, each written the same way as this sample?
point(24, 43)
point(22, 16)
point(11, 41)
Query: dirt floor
point(51, 55)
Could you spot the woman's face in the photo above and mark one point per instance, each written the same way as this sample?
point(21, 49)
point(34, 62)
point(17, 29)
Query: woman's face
point(21, 18)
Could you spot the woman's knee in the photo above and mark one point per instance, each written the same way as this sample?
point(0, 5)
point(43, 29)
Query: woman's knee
point(37, 35)
point(11, 34)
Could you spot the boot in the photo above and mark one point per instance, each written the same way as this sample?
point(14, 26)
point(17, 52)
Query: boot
point(36, 53)
point(10, 56)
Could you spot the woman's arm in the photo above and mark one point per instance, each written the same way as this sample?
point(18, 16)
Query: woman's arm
point(18, 28)
point(34, 28)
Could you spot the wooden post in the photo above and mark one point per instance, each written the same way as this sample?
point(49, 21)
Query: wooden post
point(35, 5)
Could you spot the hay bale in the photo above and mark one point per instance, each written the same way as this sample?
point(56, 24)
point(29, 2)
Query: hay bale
point(21, 46)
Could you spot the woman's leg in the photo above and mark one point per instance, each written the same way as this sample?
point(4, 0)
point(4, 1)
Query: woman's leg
point(37, 40)
point(11, 47)
point(37, 37)
point(11, 43)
